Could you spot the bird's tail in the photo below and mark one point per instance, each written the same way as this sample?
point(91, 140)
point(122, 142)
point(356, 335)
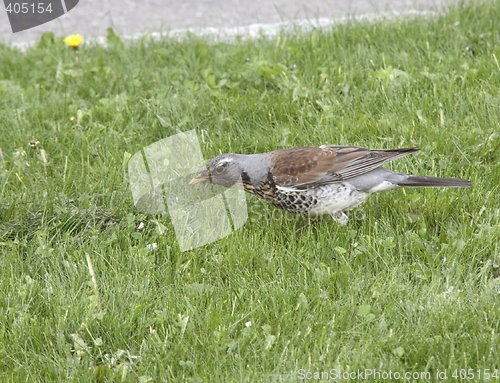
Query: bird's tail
point(418, 181)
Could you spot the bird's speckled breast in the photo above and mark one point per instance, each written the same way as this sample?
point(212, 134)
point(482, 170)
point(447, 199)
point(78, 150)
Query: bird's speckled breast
point(320, 200)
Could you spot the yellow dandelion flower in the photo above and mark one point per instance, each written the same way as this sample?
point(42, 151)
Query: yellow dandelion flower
point(72, 118)
point(73, 41)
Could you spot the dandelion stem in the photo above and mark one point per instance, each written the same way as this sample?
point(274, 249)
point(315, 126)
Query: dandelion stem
point(43, 154)
point(94, 280)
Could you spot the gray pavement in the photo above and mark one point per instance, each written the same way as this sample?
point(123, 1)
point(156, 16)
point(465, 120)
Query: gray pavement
point(91, 17)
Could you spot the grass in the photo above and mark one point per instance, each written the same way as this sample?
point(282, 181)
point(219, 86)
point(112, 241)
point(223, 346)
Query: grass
point(411, 284)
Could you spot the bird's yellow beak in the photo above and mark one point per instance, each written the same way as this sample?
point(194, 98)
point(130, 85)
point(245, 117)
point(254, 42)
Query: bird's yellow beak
point(202, 177)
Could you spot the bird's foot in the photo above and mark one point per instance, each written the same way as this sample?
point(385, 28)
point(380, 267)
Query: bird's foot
point(340, 217)
point(299, 230)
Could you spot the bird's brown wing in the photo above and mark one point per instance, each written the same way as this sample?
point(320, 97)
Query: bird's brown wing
point(311, 166)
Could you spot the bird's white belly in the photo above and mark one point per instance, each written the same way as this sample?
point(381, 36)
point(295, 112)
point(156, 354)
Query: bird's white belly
point(336, 197)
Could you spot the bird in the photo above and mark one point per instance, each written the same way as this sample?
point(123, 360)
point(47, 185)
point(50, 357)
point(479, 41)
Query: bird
point(316, 180)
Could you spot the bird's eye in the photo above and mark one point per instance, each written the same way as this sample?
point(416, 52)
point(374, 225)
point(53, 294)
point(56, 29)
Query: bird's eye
point(219, 169)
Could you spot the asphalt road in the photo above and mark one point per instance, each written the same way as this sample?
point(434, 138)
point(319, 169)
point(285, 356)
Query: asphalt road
point(91, 17)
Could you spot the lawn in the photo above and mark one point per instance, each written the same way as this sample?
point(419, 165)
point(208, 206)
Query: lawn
point(411, 284)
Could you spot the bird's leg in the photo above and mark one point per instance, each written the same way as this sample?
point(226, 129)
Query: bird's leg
point(299, 230)
point(340, 217)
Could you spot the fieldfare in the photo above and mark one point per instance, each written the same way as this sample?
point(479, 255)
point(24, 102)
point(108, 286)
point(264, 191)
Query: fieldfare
point(316, 180)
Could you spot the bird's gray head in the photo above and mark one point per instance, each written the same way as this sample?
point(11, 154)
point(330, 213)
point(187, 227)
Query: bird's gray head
point(224, 170)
